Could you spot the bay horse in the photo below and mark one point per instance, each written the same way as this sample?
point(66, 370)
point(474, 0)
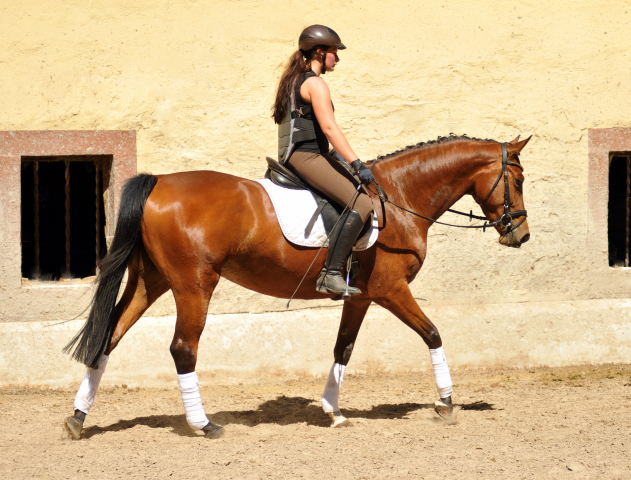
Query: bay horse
point(183, 231)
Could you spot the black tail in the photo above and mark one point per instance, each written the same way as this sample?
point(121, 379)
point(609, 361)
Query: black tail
point(94, 337)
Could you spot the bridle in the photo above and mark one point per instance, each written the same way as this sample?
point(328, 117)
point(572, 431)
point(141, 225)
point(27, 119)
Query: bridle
point(508, 215)
point(506, 220)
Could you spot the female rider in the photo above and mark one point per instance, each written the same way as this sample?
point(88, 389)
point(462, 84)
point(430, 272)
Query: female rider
point(306, 124)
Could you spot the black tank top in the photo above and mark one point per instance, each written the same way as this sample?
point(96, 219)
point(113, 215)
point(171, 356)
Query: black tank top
point(320, 144)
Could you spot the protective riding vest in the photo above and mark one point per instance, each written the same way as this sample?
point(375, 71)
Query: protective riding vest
point(300, 126)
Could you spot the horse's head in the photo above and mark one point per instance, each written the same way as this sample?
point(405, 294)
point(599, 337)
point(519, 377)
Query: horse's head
point(503, 206)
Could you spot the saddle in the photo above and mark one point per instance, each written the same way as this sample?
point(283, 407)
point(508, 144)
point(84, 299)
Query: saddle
point(283, 177)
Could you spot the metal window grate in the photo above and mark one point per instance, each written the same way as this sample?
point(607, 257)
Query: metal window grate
point(63, 217)
point(619, 215)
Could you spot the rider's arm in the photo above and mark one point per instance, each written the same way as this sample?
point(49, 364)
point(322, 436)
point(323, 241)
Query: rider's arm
point(316, 91)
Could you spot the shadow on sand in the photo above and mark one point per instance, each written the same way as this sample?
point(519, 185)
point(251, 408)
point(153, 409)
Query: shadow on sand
point(280, 411)
point(479, 406)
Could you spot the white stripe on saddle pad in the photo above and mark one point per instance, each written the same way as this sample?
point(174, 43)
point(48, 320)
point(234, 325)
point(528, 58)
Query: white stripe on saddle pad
point(294, 209)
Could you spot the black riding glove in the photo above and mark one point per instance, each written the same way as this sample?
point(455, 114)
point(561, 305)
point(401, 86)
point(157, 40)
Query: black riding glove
point(363, 172)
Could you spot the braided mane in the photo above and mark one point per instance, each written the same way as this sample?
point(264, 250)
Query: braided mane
point(438, 141)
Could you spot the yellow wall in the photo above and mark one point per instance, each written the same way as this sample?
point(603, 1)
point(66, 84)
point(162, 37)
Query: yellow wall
point(196, 81)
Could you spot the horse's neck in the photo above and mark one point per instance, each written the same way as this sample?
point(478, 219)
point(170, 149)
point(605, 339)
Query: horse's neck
point(431, 180)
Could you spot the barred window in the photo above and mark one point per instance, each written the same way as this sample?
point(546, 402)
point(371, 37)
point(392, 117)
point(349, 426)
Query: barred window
point(63, 215)
point(619, 208)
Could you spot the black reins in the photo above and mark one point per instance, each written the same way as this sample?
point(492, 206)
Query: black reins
point(505, 219)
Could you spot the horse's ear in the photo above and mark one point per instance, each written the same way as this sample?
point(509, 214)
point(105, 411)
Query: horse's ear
point(515, 140)
point(515, 148)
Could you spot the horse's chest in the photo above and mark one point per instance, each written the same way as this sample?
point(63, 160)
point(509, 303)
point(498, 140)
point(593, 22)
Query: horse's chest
point(413, 267)
point(415, 262)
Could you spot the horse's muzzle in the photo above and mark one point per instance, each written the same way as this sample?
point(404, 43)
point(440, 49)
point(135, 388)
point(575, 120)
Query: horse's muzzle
point(515, 238)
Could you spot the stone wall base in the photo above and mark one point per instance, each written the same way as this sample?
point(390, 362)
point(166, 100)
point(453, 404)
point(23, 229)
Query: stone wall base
point(248, 347)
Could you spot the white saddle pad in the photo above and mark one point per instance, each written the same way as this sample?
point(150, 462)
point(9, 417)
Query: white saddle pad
point(294, 209)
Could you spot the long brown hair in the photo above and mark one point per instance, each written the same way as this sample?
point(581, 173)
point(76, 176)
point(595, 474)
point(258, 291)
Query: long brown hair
point(296, 66)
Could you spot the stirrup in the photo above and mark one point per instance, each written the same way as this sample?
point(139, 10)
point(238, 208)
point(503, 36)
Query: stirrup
point(335, 277)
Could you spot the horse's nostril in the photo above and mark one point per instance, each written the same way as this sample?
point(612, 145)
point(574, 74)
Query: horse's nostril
point(525, 238)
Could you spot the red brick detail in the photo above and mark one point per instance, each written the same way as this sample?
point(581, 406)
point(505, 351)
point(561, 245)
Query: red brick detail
point(14, 145)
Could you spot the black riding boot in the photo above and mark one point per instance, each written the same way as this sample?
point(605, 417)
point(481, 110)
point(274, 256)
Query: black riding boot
point(341, 241)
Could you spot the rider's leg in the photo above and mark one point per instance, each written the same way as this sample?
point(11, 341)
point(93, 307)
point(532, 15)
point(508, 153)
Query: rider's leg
point(341, 241)
point(319, 172)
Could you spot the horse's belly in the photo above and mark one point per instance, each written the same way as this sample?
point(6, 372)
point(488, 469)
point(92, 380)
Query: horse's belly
point(275, 276)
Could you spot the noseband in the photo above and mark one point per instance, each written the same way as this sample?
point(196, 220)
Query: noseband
point(508, 215)
point(505, 220)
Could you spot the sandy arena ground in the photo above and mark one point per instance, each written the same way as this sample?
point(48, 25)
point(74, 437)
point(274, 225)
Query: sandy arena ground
point(544, 423)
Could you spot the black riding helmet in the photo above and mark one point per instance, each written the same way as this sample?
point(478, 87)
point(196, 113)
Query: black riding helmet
point(319, 36)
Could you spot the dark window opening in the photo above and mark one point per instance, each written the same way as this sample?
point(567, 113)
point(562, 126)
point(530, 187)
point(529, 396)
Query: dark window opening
point(63, 215)
point(619, 209)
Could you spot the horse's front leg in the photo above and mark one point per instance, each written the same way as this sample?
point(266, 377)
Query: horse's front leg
point(352, 316)
point(401, 303)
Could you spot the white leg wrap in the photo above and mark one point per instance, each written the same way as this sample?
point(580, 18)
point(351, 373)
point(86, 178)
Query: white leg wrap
point(87, 391)
point(189, 388)
point(441, 372)
point(332, 390)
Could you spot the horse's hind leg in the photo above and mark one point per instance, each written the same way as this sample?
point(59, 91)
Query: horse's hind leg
point(352, 317)
point(400, 302)
point(144, 286)
point(192, 297)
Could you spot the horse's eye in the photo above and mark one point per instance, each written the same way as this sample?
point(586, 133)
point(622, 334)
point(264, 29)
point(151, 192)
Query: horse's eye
point(519, 182)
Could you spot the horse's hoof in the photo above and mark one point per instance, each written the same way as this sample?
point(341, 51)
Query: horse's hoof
point(339, 420)
point(444, 409)
point(213, 431)
point(73, 427)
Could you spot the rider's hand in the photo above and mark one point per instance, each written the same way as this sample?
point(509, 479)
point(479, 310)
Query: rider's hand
point(363, 172)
